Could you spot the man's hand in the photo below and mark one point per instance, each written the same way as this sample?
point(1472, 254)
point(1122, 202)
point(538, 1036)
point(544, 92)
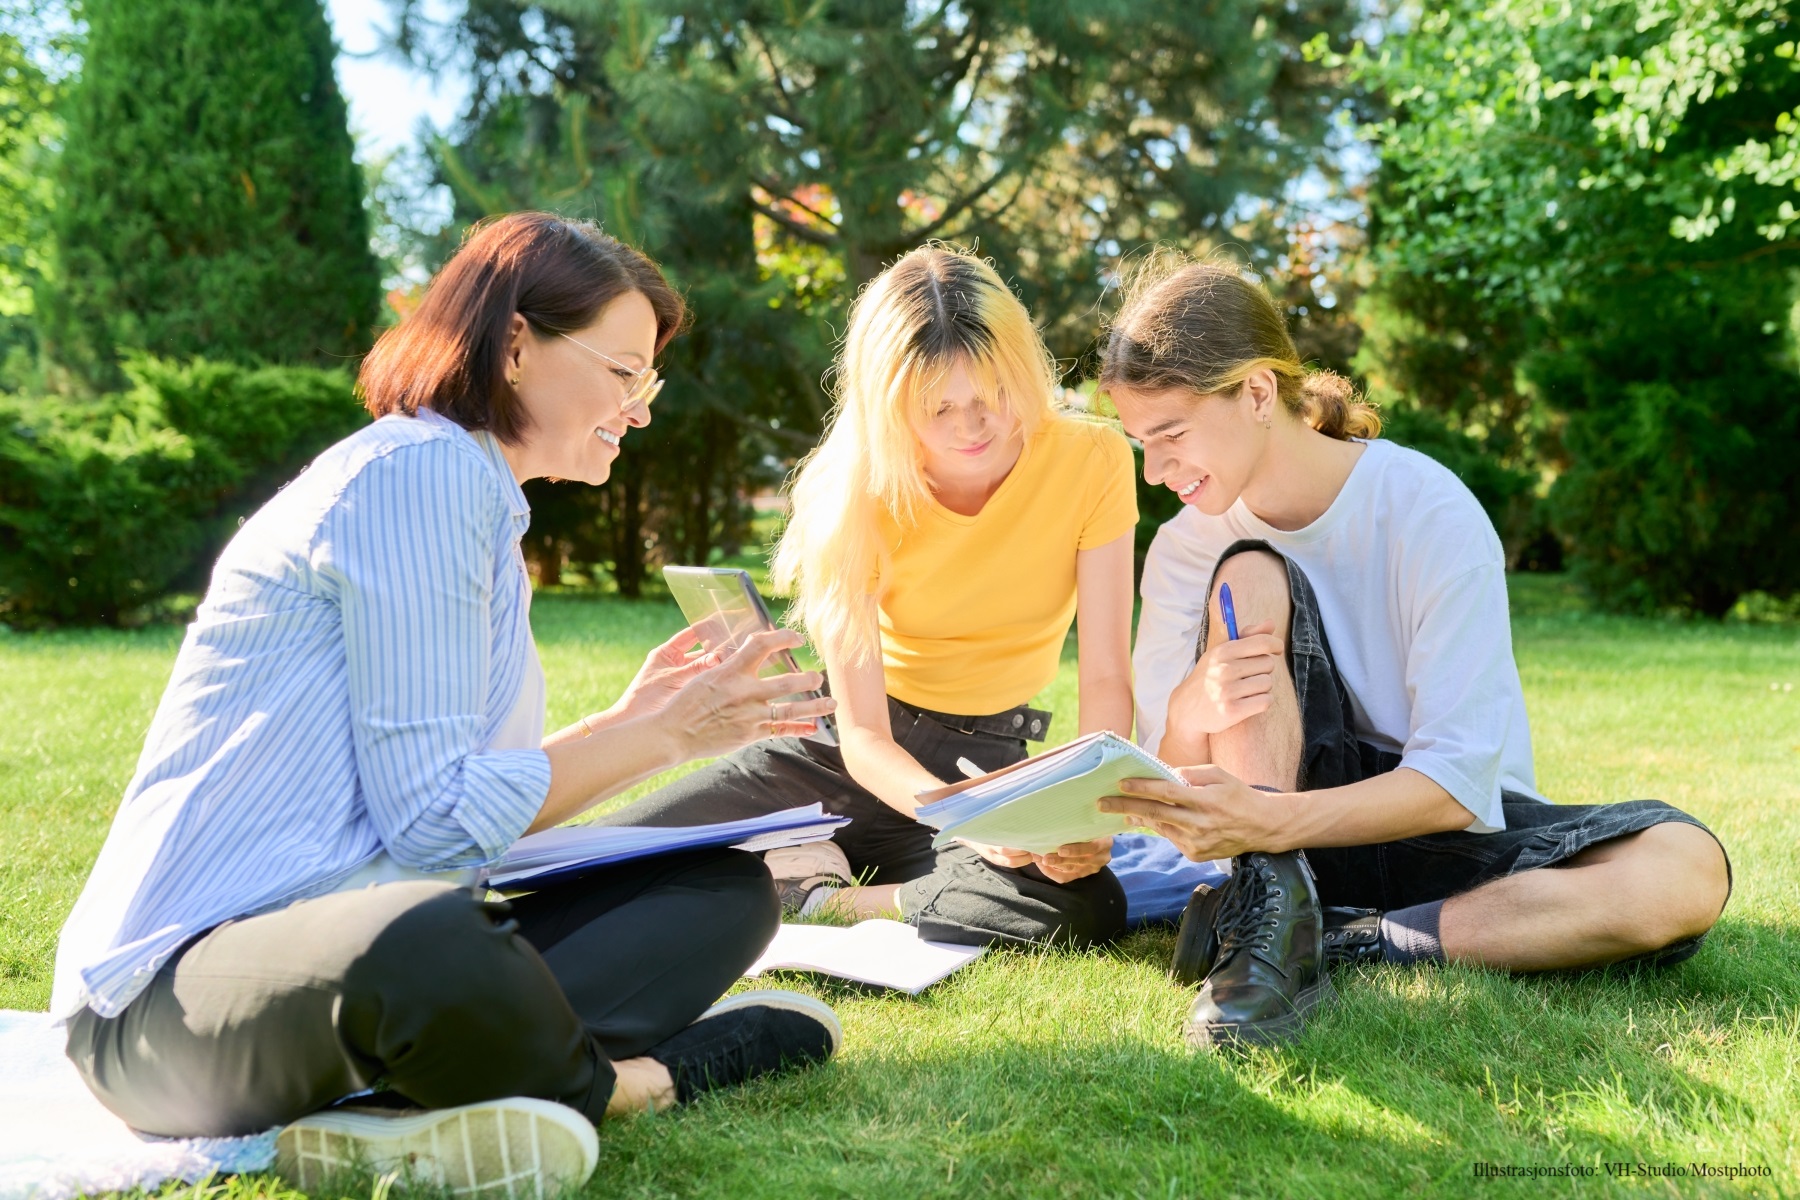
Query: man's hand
point(1233, 680)
point(1077, 860)
point(1214, 815)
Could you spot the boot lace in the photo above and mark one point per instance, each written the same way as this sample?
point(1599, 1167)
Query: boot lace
point(1250, 914)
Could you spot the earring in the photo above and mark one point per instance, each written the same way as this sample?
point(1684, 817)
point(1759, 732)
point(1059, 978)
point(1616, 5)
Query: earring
point(514, 381)
point(1268, 422)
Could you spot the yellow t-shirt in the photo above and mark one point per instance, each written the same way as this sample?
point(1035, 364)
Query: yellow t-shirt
point(974, 609)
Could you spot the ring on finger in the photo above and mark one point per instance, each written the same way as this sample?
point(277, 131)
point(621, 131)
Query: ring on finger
point(774, 717)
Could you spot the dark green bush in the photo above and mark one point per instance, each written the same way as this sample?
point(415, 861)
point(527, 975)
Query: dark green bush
point(108, 504)
point(1683, 489)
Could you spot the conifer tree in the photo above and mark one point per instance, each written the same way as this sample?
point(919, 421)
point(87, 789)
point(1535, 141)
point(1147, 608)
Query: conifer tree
point(210, 204)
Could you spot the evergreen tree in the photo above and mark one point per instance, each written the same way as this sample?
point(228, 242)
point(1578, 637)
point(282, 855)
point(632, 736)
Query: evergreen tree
point(774, 158)
point(210, 204)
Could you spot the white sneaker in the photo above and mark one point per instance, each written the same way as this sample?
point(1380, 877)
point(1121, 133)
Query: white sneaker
point(801, 870)
point(519, 1148)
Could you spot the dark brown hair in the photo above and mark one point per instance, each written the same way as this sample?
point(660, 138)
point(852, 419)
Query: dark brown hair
point(1203, 327)
point(557, 274)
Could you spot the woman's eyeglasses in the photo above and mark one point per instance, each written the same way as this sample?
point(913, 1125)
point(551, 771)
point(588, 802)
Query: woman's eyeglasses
point(643, 385)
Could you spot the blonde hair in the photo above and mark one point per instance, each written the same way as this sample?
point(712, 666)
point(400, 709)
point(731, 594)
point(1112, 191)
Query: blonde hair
point(1203, 327)
point(934, 309)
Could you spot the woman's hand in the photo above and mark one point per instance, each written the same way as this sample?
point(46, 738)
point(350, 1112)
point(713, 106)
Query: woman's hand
point(666, 670)
point(1213, 815)
point(1233, 680)
point(1077, 860)
point(1065, 864)
point(724, 706)
point(1000, 856)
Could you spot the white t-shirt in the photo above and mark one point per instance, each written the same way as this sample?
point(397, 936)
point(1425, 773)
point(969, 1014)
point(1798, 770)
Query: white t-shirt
point(1411, 584)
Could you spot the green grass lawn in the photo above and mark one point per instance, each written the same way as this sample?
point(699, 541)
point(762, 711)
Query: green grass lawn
point(1064, 1074)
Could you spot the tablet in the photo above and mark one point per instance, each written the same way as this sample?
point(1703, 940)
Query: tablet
point(724, 607)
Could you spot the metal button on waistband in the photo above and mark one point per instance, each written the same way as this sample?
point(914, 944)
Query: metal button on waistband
point(1018, 720)
point(1037, 726)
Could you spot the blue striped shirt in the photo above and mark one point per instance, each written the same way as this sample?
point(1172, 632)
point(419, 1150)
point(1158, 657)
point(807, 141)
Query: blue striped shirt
point(364, 639)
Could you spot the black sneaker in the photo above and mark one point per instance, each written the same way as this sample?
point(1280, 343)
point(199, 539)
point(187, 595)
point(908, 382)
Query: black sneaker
point(1269, 972)
point(1352, 936)
point(1196, 942)
point(746, 1036)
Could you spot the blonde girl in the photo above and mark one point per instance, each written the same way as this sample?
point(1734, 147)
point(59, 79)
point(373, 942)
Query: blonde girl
point(943, 535)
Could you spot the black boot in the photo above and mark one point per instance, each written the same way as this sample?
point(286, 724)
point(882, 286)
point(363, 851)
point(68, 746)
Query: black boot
point(1352, 936)
point(1196, 942)
point(1269, 972)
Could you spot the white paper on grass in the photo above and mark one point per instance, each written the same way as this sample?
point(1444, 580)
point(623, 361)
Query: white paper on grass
point(883, 953)
point(573, 845)
point(1050, 803)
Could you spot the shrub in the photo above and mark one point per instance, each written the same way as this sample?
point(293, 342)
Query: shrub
point(108, 504)
point(1683, 489)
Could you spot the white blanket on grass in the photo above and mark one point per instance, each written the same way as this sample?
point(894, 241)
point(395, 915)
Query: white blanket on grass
point(57, 1141)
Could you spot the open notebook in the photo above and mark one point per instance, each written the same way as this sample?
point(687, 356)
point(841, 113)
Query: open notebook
point(883, 953)
point(1043, 802)
point(570, 850)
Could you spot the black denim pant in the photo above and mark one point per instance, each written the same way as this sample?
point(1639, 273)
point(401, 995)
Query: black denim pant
point(1418, 870)
point(430, 990)
point(952, 894)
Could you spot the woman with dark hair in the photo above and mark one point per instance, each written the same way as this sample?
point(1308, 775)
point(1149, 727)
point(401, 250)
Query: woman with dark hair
point(1325, 628)
point(285, 911)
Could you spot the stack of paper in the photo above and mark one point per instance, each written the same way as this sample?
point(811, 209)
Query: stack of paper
point(572, 850)
point(883, 953)
point(1043, 802)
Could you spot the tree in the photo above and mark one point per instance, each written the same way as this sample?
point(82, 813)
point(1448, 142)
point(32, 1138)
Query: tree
point(1603, 191)
point(776, 157)
point(210, 204)
point(29, 135)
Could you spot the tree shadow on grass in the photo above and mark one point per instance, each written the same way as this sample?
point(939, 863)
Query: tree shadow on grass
point(1579, 1067)
point(1124, 1118)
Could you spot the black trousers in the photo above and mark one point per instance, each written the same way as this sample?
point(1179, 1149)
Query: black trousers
point(431, 991)
point(951, 895)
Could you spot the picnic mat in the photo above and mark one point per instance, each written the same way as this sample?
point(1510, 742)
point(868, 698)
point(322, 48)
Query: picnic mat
point(57, 1141)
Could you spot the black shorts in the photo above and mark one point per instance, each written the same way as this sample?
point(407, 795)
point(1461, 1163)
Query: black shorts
point(1418, 870)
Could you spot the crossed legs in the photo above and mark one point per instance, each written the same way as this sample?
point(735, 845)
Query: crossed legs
point(1631, 895)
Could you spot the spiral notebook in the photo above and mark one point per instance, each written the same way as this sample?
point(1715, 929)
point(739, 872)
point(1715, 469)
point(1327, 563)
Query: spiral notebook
point(1046, 801)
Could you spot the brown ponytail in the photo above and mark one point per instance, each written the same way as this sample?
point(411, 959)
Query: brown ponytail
point(1334, 409)
point(1203, 327)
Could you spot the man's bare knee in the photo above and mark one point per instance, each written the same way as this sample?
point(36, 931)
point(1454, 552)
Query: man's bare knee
point(1259, 591)
point(1667, 883)
point(1691, 862)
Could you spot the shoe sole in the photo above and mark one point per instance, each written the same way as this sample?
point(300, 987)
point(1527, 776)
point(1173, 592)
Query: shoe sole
point(1271, 1032)
point(818, 1010)
point(519, 1148)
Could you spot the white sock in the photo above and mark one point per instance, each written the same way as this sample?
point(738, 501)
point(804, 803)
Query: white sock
point(817, 899)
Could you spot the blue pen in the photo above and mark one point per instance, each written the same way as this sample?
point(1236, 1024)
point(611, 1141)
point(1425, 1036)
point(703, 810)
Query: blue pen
point(1229, 613)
